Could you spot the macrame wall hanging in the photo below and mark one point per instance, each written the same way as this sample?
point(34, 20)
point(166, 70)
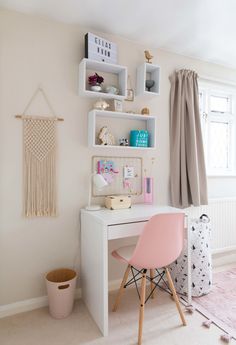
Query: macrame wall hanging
point(39, 150)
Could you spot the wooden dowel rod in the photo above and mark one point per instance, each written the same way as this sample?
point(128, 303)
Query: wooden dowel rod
point(20, 117)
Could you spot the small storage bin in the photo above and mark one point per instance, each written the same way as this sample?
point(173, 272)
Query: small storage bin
point(117, 202)
point(61, 290)
point(201, 262)
point(139, 138)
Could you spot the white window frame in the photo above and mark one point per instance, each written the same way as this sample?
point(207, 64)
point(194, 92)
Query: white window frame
point(208, 116)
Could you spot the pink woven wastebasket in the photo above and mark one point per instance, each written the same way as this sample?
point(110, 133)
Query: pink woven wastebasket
point(61, 290)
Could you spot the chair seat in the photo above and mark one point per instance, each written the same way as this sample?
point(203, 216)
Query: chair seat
point(123, 254)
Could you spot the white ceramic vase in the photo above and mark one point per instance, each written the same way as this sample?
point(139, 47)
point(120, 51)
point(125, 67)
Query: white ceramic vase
point(96, 88)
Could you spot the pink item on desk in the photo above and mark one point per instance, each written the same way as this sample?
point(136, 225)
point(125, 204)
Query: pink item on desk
point(148, 190)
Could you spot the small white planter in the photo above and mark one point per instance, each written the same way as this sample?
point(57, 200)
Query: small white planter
point(96, 88)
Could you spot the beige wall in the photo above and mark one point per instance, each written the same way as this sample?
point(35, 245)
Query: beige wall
point(37, 51)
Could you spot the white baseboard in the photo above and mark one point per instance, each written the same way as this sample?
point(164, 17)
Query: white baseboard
point(219, 259)
point(28, 304)
point(39, 302)
point(114, 284)
point(224, 250)
point(22, 306)
point(78, 293)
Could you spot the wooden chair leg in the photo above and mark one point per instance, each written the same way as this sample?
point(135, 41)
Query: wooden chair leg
point(141, 309)
point(121, 289)
point(176, 299)
point(152, 275)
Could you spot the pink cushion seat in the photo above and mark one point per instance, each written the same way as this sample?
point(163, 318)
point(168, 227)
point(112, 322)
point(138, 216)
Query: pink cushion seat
point(123, 254)
point(160, 243)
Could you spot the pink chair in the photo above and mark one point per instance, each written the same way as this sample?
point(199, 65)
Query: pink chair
point(160, 243)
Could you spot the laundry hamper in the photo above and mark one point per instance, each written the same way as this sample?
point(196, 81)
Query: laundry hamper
point(61, 290)
point(201, 263)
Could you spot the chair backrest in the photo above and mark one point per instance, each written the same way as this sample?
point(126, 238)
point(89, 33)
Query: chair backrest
point(161, 241)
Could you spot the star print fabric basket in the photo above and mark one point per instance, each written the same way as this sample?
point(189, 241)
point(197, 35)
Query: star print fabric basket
point(201, 262)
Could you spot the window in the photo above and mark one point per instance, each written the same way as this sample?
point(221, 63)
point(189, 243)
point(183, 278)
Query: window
point(218, 127)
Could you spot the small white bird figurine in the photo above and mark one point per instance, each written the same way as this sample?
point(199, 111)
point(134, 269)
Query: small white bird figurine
point(148, 56)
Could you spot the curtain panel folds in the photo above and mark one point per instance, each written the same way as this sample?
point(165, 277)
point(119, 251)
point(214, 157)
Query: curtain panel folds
point(188, 182)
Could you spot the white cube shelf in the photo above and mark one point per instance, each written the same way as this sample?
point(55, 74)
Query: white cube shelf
point(119, 73)
point(145, 72)
point(120, 125)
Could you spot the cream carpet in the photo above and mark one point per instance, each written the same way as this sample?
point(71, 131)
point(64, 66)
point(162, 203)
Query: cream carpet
point(161, 326)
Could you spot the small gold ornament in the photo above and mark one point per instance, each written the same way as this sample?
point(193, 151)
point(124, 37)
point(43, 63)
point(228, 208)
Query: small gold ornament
point(148, 56)
point(145, 111)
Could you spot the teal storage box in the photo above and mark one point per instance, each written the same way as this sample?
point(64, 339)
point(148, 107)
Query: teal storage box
point(139, 138)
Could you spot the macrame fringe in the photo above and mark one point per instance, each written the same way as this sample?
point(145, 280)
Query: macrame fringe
point(39, 166)
point(40, 185)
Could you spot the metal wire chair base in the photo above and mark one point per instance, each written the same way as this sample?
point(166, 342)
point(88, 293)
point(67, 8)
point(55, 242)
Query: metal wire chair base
point(156, 280)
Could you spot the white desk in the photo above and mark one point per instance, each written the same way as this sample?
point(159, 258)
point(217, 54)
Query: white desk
point(97, 228)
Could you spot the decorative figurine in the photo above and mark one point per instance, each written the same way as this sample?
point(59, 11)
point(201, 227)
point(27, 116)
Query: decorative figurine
point(101, 105)
point(124, 142)
point(105, 137)
point(112, 90)
point(145, 111)
point(148, 56)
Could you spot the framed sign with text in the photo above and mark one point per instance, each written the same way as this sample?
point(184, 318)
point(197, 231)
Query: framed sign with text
point(99, 49)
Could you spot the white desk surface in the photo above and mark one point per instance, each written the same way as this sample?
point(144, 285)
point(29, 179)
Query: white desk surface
point(137, 213)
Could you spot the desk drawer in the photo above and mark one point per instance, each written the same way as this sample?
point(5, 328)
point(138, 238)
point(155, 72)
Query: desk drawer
point(125, 230)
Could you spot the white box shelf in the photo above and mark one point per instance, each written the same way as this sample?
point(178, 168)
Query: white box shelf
point(120, 124)
point(115, 74)
point(145, 72)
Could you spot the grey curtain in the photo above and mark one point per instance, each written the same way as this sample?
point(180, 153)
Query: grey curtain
point(188, 183)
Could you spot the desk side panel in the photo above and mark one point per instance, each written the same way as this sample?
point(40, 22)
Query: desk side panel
point(94, 270)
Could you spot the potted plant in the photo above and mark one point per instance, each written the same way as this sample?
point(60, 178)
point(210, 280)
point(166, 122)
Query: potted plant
point(95, 82)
